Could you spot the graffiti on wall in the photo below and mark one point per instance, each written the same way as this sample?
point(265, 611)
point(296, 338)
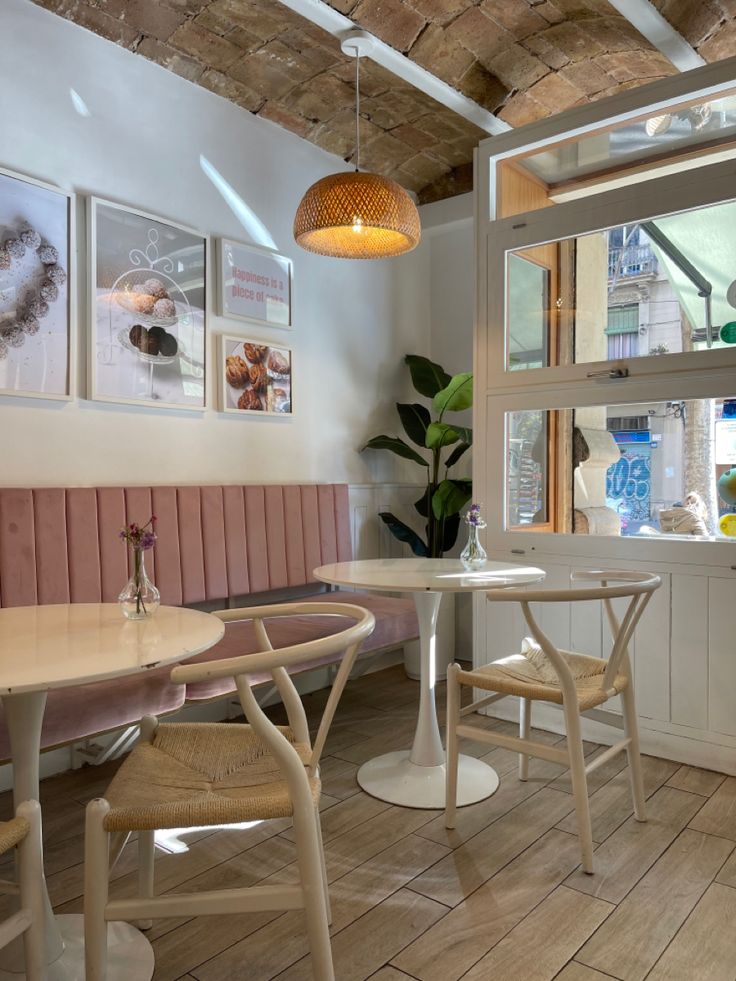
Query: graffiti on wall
point(628, 484)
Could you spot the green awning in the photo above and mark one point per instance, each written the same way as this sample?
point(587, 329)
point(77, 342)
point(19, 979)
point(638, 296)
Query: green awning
point(707, 237)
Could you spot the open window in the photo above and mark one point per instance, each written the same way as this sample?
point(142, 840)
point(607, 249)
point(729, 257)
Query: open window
point(643, 470)
point(654, 287)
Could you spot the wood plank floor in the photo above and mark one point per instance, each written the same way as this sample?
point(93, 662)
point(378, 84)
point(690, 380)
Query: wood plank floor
point(500, 897)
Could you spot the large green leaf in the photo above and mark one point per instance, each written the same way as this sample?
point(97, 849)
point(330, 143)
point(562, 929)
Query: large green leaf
point(414, 418)
point(456, 454)
point(449, 531)
point(456, 395)
point(439, 434)
point(465, 433)
point(427, 377)
point(397, 446)
point(450, 497)
point(422, 505)
point(404, 533)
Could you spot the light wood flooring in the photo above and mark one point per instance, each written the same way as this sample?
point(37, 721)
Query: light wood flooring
point(500, 897)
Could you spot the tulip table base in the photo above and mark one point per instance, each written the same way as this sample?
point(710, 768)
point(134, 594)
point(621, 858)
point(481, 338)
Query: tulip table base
point(417, 778)
point(130, 955)
point(394, 778)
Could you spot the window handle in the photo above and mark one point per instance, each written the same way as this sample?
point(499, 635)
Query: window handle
point(609, 373)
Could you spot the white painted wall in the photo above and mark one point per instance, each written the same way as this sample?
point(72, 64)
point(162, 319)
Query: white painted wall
point(143, 143)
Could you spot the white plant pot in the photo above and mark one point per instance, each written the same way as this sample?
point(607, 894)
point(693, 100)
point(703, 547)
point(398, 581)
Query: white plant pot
point(445, 647)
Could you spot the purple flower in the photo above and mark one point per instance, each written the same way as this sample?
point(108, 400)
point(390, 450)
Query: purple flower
point(140, 536)
point(474, 516)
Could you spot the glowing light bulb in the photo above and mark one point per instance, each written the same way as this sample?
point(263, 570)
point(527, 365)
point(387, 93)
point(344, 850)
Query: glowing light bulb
point(357, 224)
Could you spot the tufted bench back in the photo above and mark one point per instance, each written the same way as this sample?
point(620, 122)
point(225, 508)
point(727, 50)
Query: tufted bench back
point(61, 545)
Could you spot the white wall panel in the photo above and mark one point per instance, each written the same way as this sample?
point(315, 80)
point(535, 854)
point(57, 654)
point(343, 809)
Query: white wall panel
point(689, 651)
point(652, 656)
point(722, 655)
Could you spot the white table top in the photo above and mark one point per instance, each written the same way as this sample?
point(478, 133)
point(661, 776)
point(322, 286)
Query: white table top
point(43, 647)
point(418, 575)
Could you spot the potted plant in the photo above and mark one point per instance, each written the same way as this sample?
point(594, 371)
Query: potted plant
point(440, 445)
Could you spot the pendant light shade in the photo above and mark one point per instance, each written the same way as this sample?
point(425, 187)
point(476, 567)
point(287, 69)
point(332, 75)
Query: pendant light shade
point(357, 216)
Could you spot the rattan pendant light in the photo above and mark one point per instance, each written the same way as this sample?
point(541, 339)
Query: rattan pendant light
point(357, 215)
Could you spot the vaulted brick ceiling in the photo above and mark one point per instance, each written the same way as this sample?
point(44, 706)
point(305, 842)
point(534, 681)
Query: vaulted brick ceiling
point(521, 59)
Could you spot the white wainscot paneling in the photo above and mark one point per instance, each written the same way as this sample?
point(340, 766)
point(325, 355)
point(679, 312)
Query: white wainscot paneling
point(371, 537)
point(689, 651)
point(683, 658)
point(721, 656)
point(651, 656)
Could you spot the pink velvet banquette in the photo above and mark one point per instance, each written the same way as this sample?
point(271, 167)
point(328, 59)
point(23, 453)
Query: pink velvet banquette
point(217, 546)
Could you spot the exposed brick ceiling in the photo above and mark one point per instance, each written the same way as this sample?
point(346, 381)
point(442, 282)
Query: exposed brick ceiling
point(522, 59)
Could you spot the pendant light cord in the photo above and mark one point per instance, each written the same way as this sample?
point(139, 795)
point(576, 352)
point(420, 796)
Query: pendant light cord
point(357, 111)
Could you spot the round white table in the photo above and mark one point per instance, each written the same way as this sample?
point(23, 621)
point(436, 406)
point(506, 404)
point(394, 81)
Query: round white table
point(46, 647)
point(417, 778)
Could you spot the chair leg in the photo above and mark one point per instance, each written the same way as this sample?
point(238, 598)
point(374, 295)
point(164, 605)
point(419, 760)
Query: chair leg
point(325, 884)
point(30, 861)
point(525, 726)
point(633, 754)
point(146, 854)
point(306, 829)
point(451, 741)
point(579, 783)
point(96, 884)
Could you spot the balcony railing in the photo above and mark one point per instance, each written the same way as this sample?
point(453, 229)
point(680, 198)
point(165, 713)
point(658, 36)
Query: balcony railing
point(634, 260)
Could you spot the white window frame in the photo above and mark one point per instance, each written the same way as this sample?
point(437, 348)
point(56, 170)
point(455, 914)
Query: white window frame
point(687, 375)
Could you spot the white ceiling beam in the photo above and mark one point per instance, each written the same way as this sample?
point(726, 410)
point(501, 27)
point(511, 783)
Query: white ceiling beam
point(651, 24)
point(398, 64)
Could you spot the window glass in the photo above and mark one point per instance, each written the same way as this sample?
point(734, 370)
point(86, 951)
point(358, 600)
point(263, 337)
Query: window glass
point(635, 141)
point(528, 313)
point(643, 470)
point(527, 468)
point(662, 286)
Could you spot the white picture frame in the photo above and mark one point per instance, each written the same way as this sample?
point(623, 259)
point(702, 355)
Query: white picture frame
point(254, 284)
point(126, 368)
point(274, 394)
point(19, 371)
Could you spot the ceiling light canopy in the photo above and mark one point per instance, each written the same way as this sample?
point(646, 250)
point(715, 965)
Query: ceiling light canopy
point(357, 215)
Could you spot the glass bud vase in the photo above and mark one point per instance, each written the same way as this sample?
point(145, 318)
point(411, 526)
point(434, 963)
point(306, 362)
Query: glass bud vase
point(473, 556)
point(140, 598)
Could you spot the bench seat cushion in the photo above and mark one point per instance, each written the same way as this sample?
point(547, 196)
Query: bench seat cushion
point(79, 712)
point(396, 623)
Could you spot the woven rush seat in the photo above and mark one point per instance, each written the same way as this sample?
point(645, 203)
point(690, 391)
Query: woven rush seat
point(193, 775)
point(12, 833)
point(516, 676)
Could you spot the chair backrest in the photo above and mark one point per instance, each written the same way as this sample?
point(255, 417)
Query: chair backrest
point(637, 587)
point(277, 661)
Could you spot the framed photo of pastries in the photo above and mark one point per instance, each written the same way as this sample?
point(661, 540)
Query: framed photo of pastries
point(148, 303)
point(255, 377)
point(254, 284)
point(37, 295)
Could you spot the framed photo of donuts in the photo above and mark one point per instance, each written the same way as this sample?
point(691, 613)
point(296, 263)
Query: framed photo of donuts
point(255, 377)
point(148, 305)
point(254, 284)
point(37, 294)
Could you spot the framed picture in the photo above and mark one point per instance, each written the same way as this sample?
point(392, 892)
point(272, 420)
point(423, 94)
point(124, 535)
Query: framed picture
point(37, 294)
point(148, 302)
point(254, 284)
point(254, 377)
